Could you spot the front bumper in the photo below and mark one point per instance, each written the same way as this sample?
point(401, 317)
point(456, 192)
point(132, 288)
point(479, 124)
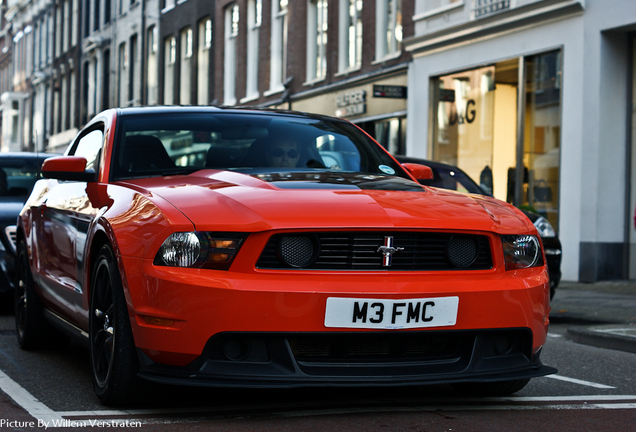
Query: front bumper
point(350, 359)
point(176, 312)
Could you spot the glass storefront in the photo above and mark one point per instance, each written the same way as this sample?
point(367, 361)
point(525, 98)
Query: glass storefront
point(511, 149)
point(389, 132)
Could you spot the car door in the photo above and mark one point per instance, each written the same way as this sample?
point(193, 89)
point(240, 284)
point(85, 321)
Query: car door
point(61, 224)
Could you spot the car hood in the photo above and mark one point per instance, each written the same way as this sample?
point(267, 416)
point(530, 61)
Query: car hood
point(232, 201)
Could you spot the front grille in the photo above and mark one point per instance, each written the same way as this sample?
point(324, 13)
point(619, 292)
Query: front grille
point(359, 251)
point(384, 355)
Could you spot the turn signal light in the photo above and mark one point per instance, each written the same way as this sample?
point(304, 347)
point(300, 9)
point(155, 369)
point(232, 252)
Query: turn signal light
point(158, 321)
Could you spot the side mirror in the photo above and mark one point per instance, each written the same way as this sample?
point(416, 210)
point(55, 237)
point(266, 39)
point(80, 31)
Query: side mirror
point(420, 172)
point(71, 168)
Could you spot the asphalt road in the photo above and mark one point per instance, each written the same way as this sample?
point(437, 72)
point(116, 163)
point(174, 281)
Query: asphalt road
point(595, 389)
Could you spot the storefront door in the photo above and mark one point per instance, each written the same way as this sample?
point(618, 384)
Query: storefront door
point(512, 149)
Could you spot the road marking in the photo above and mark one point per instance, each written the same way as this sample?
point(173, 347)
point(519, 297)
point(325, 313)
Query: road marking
point(580, 382)
point(27, 401)
point(552, 335)
point(46, 415)
point(617, 406)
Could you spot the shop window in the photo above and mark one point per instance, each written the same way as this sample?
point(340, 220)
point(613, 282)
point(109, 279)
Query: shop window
point(475, 128)
point(388, 132)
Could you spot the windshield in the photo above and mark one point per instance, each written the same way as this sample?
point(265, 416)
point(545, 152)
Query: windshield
point(155, 145)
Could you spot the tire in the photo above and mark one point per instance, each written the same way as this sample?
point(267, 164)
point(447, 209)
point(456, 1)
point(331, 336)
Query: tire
point(114, 363)
point(484, 389)
point(31, 327)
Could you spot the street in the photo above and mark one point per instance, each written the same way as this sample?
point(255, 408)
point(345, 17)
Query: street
point(595, 388)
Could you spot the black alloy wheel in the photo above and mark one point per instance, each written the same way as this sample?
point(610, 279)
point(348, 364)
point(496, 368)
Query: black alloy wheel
point(29, 318)
point(114, 363)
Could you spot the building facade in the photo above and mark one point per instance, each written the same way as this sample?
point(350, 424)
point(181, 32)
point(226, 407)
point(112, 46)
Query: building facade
point(336, 57)
point(534, 99)
point(185, 51)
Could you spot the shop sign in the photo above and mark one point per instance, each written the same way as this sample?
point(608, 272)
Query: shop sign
point(464, 116)
point(446, 95)
point(389, 91)
point(351, 103)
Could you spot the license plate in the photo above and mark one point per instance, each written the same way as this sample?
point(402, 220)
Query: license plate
point(391, 314)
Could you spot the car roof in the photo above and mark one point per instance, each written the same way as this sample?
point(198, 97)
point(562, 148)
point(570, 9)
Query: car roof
point(196, 109)
point(22, 155)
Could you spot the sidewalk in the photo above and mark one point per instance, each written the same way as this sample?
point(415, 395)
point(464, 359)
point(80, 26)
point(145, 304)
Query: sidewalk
point(602, 314)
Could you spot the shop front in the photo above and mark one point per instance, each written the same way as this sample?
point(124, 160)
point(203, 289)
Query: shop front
point(378, 106)
point(501, 123)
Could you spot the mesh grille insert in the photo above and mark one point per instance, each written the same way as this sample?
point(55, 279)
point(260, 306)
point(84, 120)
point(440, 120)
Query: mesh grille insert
point(421, 251)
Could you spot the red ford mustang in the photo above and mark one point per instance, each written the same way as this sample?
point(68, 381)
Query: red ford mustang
point(226, 247)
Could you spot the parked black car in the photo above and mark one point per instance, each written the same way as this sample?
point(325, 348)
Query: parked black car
point(18, 174)
point(451, 177)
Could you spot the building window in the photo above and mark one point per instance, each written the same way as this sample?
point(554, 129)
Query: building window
point(96, 15)
point(105, 87)
point(167, 5)
point(58, 31)
point(185, 71)
point(278, 61)
point(107, 8)
point(122, 97)
point(254, 19)
point(229, 75)
point(153, 69)
point(389, 28)
point(170, 56)
point(132, 90)
point(87, 18)
point(67, 25)
point(64, 106)
point(72, 100)
point(350, 35)
point(203, 78)
point(75, 23)
point(317, 39)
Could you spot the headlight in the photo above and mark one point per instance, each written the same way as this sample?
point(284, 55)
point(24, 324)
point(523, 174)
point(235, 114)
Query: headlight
point(544, 227)
point(521, 251)
point(199, 250)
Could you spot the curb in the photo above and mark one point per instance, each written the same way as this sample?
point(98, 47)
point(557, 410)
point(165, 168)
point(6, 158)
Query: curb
point(615, 337)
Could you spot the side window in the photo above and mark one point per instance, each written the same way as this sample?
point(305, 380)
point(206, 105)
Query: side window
point(89, 146)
